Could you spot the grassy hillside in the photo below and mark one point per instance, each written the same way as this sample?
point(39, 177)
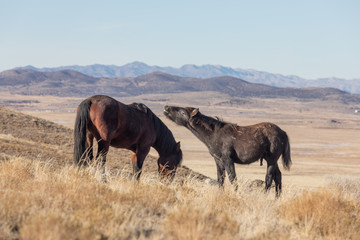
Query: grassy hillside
point(43, 196)
point(41, 201)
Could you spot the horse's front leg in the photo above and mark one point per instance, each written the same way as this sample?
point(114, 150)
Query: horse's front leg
point(220, 172)
point(137, 160)
point(230, 169)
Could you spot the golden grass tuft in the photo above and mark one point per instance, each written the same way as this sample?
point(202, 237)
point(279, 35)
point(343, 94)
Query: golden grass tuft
point(42, 200)
point(328, 213)
point(191, 222)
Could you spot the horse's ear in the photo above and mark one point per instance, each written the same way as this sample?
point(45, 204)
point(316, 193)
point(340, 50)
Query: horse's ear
point(178, 147)
point(194, 112)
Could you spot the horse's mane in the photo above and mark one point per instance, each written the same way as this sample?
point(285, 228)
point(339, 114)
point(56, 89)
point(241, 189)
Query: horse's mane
point(209, 123)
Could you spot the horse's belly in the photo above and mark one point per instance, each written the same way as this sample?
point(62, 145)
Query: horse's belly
point(121, 144)
point(248, 152)
point(246, 157)
point(246, 160)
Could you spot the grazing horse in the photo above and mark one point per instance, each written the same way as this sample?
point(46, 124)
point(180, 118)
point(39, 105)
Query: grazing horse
point(134, 127)
point(229, 143)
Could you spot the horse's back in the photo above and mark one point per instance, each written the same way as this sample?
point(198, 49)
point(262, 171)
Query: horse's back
point(104, 108)
point(121, 124)
point(252, 142)
point(276, 137)
point(267, 128)
point(272, 130)
point(103, 99)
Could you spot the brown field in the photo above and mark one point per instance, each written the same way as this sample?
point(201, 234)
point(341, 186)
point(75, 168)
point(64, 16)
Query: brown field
point(43, 198)
point(324, 137)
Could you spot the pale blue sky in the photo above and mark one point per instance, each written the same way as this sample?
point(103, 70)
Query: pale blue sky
point(308, 38)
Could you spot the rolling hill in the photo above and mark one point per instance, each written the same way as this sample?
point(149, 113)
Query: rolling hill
point(136, 69)
point(72, 83)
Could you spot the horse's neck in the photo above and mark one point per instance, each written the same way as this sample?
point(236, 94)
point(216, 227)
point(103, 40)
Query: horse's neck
point(165, 141)
point(159, 146)
point(164, 148)
point(202, 130)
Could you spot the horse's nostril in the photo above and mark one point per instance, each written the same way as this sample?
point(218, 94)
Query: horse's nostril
point(166, 107)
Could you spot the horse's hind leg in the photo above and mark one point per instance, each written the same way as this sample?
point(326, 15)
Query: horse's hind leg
point(277, 179)
point(273, 173)
point(103, 148)
point(270, 174)
point(90, 142)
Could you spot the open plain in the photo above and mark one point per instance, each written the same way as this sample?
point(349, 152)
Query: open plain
point(324, 135)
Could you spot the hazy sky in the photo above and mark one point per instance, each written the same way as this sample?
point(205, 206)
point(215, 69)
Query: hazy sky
point(308, 38)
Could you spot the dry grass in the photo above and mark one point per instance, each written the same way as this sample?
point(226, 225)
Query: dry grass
point(41, 200)
point(332, 213)
point(42, 196)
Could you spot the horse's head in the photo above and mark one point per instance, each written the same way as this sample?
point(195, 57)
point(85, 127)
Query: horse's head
point(179, 115)
point(167, 165)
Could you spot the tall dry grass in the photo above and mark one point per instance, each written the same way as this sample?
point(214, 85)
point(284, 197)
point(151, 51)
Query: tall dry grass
point(41, 201)
point(333, 212)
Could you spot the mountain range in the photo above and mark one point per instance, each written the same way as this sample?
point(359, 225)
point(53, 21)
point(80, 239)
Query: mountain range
point(136, 69)
point(72, 83)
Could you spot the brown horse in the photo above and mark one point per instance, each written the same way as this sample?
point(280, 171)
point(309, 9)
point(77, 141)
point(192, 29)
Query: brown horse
point(134, 127)
point(229, 143)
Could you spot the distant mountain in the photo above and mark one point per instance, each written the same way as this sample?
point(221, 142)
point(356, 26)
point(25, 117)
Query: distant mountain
point(136, 69)
point(72, 83)
point(29, 77)
point(31, 82)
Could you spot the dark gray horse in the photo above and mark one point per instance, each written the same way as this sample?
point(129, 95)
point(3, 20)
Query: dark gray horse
point(229, 143)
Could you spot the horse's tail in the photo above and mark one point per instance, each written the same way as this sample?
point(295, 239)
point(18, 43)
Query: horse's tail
point(286, 159)
point(81, 124)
